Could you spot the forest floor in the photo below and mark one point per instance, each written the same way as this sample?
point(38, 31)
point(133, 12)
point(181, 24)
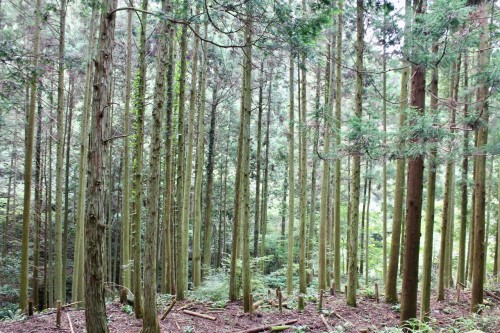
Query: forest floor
point(368, 316)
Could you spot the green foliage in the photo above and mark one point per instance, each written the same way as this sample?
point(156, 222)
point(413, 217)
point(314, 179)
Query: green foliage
point(396, 308)
point(11, 312)
point(214, 288)
point(127, 309)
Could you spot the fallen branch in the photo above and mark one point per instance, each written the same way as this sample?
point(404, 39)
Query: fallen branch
point(70, 323)
point(269, 327)
point(341, 318)
point(70, 304)
point(170, 307)
point(492, 295)
point(184, 307)
point(256, 305)
point(328, 327)
point(200, 315)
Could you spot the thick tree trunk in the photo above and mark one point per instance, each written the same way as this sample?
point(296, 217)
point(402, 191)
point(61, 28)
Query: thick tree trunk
point(480, 181)
point(95, 306)
point(150, 322)
point(414, 200)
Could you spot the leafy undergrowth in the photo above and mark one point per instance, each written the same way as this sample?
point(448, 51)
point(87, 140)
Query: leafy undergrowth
point(368, 316)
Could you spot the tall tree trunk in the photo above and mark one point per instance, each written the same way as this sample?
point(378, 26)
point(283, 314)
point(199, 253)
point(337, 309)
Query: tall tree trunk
point(258, 163)
point(265, 191)
point(28, 165)
point(291, 179)
point(429, 207)
point(60, 154)
point(199, 170)
point(208, 192)
point(77, 292)
point(356, 170)
point(463, 183)
point(384, 165)
point(150, 322)
point(168, 276)
point(245, 169)
point(38, 201)
point(312, 214)
point(338, 107)
point(303, 181)
point(71, 104)
point(125, 234)
point(367, 230)
point(95, 306)
point(482, 140)
point(325, 179)
point(391, 294)
point(186, 205)
point(414, 199)
point(139, 106)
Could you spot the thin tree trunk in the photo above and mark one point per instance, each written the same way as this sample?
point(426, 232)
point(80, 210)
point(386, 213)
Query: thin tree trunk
point(465, 170)
point(291, 179)
point(265, 191)
point(125, 234)
point(189, 167)
point(38, 202)
point(199, 170)
point(77, 292)
point(391, 295)
point(338, 109)
point(258, 163)
point(66, 186)
point(60, 156)
point(356, 171)
point(247, 109)
point(168, 276)
point(208, 192)
point(28, 165)
point(139, 105)
point(429, 208)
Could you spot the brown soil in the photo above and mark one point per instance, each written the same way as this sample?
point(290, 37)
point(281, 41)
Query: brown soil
point(369, 316)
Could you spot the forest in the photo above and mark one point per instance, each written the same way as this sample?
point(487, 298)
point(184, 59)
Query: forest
point(249, 166)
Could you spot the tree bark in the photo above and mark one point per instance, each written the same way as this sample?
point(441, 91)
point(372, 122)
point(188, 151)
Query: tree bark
point(414, 199)
point(28, 165)
point(356, 168)
point(95, 306)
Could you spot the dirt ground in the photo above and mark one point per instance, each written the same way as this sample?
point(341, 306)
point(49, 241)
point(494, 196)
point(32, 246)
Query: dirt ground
point(368, 316)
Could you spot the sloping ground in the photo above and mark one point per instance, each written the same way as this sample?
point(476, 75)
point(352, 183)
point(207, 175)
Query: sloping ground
point(369, 316)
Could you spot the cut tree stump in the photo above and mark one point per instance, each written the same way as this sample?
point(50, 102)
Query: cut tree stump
point(58, 316)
